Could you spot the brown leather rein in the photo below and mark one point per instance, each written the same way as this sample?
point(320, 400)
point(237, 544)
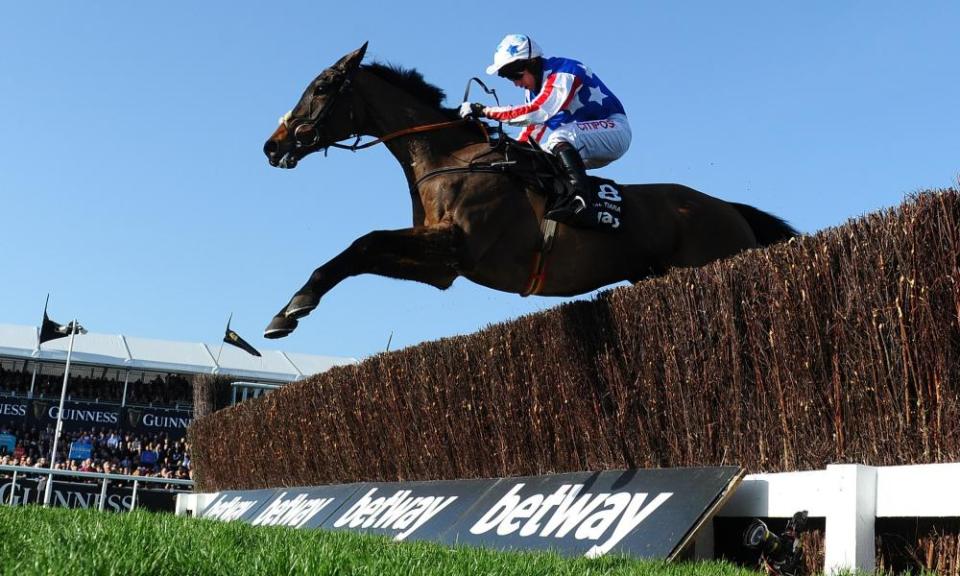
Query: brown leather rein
point(406, 132)
point(415, 129)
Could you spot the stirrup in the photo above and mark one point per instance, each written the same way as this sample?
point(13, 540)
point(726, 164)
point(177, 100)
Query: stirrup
point(567, 210)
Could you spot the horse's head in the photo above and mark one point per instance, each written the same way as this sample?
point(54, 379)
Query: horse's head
point(324, 115)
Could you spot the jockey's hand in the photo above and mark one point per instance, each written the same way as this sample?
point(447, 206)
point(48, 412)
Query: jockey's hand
point(471, 110)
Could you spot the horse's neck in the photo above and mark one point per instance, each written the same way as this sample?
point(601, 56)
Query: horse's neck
point(391, 109)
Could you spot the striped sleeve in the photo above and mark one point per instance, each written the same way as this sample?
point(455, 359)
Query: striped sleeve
point(532, 132)
point(557, 91)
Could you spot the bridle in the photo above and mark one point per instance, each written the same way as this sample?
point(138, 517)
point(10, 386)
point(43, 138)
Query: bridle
point(306, 133)
point(302, 126)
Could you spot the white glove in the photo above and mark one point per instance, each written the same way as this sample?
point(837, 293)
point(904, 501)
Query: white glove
point(471, 110)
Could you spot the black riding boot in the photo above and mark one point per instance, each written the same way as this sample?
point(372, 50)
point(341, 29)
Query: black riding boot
point(573, 202)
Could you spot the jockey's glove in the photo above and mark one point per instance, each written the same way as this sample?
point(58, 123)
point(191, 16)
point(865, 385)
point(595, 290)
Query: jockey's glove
point(471, 110)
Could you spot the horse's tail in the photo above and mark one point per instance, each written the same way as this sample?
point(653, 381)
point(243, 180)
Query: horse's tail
point(767, 228)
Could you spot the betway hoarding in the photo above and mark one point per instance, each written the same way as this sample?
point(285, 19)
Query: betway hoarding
point(90, 415)
point(408, 510)
point(643, 513)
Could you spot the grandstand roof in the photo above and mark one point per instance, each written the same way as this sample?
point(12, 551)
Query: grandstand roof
point(129, 352)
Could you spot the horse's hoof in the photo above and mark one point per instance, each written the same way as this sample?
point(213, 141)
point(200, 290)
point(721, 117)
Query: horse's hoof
point(301, 305)
point(279, 327)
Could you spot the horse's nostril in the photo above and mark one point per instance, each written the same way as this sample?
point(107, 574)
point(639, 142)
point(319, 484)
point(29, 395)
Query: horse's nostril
point(271, 148)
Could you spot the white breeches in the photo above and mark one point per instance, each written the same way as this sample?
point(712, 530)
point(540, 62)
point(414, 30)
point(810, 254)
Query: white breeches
point(599, 142)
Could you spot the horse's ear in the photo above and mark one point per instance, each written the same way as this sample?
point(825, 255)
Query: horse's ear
point(351, 61)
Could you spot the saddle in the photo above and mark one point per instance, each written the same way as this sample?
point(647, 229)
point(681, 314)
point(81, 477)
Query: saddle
point(545, 173)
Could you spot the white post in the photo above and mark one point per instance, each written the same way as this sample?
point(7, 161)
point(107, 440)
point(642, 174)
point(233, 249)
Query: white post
point(849, 540)
point(103, 494)
point(133, 499)
point(126, 382)
point(13, 487)
point(33, 379)
point(63, 396)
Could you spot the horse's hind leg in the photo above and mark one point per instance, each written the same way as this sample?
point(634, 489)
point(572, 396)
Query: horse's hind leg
point(432, 255)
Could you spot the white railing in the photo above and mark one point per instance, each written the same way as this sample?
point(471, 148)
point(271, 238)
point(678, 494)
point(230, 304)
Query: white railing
point(105, 479)
point(850, 497)
point(249, 390)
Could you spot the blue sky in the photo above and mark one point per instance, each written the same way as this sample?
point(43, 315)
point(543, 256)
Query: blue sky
point(134, 190)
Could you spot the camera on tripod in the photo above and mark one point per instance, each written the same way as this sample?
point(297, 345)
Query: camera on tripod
point(779, 555)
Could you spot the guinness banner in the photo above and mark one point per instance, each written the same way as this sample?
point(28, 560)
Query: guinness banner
point(78, 495)
point(76, 415)
point(13, 411)
point(89, 415)
point(173, 422)
point(642, 513)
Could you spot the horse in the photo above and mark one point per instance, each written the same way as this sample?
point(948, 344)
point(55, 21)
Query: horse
point(485, 225)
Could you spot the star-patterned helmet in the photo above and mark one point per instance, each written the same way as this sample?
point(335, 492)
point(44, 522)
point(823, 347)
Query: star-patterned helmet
point(513, 47)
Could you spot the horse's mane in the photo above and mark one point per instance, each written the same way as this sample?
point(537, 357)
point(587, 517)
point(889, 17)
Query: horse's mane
point(412, 82)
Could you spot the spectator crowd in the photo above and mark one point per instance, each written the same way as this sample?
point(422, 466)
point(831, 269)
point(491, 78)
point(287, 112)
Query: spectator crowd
point(110, 452)
point(100, 450)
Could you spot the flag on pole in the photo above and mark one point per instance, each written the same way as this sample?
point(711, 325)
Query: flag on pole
point(50, 330)
point(232, 337)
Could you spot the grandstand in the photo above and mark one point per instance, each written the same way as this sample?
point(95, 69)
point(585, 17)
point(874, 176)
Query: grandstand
point(125, 370)
point(129, 358)
point(128, 404)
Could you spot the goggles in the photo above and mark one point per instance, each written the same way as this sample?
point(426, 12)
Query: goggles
point(512, 71)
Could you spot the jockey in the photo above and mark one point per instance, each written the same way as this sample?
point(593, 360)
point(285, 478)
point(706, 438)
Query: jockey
point(568, 110)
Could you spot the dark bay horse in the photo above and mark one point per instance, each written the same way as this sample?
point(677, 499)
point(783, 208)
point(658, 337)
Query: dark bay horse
point(487, 226)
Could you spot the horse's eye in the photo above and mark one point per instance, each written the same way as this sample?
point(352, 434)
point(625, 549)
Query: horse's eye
point(320, 90)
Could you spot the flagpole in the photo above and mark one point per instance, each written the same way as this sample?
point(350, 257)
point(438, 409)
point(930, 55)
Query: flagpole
point(59, 428)
point(222, 340)
point(36, 363)
point(40, 333)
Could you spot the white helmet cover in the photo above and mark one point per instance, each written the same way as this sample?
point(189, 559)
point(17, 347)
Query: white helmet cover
point(513, 47)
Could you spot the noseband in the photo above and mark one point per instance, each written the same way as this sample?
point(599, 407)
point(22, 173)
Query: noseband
point(305, 132)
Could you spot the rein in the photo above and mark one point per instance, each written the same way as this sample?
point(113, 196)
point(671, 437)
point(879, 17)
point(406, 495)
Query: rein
point(491, 168)
point(415, 129)
point(405, 132)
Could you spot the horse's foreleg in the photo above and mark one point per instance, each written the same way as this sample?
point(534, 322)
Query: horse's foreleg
point(433, 255)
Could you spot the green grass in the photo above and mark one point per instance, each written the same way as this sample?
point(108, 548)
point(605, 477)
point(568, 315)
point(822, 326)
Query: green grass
point(35, 540)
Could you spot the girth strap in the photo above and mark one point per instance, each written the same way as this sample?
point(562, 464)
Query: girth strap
point(548, 229)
